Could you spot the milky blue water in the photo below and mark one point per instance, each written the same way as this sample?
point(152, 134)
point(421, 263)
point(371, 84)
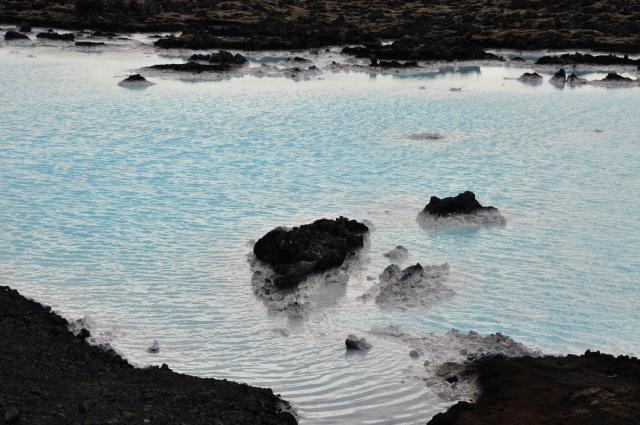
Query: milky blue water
point(135, 208)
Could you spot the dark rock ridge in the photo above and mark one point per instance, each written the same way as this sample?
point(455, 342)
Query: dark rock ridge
point(463, 203)
point(89, 43)
point(135, 78)
point(193, 67)
point(531, 78)
point(223, 56)
point(614, 77)
point(52, 35)
point(278, 24)
point(591, 389)
point(296, 253)
point(49, 376)
point(587, 59)
point(14, 35)
point(415, 49)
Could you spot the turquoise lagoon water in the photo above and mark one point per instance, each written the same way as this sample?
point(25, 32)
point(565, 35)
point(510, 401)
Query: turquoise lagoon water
point(137, 208)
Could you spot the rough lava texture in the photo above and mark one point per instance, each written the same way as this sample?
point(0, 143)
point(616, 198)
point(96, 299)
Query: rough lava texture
point(592, 389)
point(463, 203)
point(49, 376)
point(295, 254)
point(443, 27)
point(354, 343)
point(52, 35)
point(587, 59)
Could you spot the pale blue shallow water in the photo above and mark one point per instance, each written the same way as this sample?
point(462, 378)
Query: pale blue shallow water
point(135, 208)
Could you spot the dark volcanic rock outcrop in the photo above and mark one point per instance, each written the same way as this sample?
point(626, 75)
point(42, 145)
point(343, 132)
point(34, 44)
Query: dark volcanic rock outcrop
point(193, 67)
point(586, 59)
point(51, 35)
point(531, 78)
point(135, 81)
point(592, 389)
point(415, 49)
point(14, 35)
point(463, 203)
point(296, 253)
point(89, 43)
point(223, 56)
point(614, 77)
point(49, 376)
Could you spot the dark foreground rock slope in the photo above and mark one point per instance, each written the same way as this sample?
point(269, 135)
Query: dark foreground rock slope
point(592, 389)
point(296, 253)
point(49, 376)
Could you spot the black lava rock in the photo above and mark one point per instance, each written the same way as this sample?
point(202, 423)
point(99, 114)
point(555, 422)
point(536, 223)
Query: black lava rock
point(296, 253)
point(464, 203)
point(14, 35)
point(51, 35)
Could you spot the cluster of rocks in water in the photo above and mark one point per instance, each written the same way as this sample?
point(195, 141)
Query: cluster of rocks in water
point(561, 78)
point(50, 376)
point(221, 61)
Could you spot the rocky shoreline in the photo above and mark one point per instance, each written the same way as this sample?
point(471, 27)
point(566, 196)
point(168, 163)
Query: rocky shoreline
point(425, 30)
point(591, 389)
point(50, 375)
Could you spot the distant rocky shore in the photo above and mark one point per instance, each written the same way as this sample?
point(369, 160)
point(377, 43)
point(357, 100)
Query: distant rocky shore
point(50, 376)
point(424, 29)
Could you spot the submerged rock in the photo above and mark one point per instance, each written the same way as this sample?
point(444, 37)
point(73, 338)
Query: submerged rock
point(532, 78)
point(399, 253)
point(354, 343)
point(14, 35)
point(425, 136)
point(559, 77)
point(294, 254)
point(51, 35)
point(573, 79)
point(135, 81)
point(154, 348)
point(414, 286)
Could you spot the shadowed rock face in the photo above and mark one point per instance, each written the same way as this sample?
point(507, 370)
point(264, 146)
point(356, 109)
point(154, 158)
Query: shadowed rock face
point(464, 203)
point(579, 58)
point(296, 253)
point(223, 56)
point(49, 376)
point(14, 35)
point(192, 67)
point(51, 35)
point(592, 389)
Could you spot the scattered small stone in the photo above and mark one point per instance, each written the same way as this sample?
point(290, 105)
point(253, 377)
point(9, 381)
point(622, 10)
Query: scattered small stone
point(532, 78)
point(455, 89)
point(425, 136)
point(451, 379)
point(399, 253)
point(154, 348)
point(354, 343)
point(414, 354)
